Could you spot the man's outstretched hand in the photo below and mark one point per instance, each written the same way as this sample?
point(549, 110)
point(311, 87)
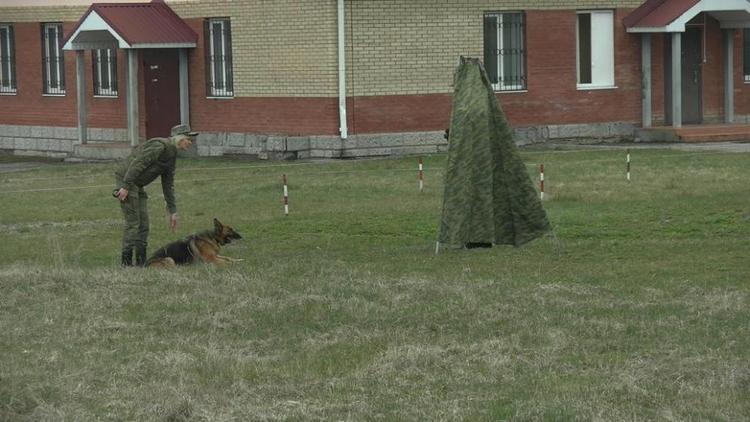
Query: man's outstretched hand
point(173, 222)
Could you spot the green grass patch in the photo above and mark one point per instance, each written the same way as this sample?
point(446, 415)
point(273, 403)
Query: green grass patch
point(635, 309)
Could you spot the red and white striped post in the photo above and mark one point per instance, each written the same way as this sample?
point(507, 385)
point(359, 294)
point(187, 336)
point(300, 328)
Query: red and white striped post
point(628, 165)
point(420, 175)
point(541, 182)
point(286, 197)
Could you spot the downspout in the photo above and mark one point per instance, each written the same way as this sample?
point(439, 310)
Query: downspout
point(342, 71)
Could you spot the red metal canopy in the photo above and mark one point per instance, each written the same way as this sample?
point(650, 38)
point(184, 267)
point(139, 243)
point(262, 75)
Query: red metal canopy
point(673, 15)
point(140, 25)
point(658, 13)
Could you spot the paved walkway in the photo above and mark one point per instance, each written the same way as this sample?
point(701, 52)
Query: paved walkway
point(730, 147)
point(740, 147)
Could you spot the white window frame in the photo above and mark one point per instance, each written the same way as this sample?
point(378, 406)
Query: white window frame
point(224, 71)
point(6, 69)
point(59, 90)
point(505, 87)
point(109, 68)
point(602, 50)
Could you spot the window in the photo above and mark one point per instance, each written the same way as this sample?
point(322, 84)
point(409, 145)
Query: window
point(746, 54)
point(505, 51)
point(7, 60)
point(218, 38)
point(53, 65)
point(596, 49)
point(105, 72)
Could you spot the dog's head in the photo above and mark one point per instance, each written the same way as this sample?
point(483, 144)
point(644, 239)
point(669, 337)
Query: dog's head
point(224, 234)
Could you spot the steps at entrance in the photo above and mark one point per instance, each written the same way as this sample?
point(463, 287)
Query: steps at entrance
point(697, 133)
point(723, 133)
point(102, 151)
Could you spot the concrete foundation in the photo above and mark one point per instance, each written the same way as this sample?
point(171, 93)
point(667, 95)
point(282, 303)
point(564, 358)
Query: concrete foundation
point(110, 144)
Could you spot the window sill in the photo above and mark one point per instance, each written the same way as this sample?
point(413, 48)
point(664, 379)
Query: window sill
point(594, 87)
point(8, 93)
point(220, 98)
point(53, 95)
point(112, 97)
point(514, 91)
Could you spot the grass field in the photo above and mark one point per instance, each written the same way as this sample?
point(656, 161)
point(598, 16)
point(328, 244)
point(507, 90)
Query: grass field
point(637, 309)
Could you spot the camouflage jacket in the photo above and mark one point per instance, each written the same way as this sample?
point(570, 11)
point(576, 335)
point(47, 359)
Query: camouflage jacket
point(149, 160)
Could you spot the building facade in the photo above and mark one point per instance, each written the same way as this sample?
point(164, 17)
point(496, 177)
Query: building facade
point(345, 78)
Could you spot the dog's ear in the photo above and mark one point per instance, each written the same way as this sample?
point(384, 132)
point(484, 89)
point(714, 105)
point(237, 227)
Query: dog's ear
point(217, 225)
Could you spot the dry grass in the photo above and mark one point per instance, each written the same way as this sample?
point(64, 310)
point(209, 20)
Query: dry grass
point(636, 310)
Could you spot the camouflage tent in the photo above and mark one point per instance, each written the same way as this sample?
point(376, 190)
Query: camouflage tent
point(489, 197)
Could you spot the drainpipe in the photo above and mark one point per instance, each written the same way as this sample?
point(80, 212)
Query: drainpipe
point(342, 71)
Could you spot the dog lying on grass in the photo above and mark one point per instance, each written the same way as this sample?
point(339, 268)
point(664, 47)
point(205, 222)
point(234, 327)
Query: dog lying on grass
point(203, 246)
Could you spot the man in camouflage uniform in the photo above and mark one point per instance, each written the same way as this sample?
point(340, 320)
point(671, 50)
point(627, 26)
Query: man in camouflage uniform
point(149, 160)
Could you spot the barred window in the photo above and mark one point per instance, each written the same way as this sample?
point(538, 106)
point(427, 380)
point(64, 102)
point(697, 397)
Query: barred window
point(505, 50)
point(218, 39)
point(53, 64)
point(105, 72)
point(7, 60)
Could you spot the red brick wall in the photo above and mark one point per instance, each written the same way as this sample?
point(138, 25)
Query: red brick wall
point(657, 78)
point(30, 107)
point(552, 97)
point(713, 72)
point(741, 89)
point(277, 115)
point(280, 115)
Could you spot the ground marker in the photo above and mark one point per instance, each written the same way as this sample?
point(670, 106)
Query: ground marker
point(541, 182)
point(628, 164)
point(421, 175)
point(286, 197)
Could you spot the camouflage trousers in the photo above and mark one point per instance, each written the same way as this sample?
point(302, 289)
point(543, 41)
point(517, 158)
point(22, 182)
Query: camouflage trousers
point(135, 212)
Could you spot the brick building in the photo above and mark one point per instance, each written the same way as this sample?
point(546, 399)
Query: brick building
point(338, 78)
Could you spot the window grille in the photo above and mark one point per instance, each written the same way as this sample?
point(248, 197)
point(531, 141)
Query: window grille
point(218, 45)
point(105, 72)
point(505, 50)
point(7, 60)
point(53, 63)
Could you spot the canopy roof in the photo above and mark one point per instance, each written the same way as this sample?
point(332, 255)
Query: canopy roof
point(672, 15)
point(130, 25)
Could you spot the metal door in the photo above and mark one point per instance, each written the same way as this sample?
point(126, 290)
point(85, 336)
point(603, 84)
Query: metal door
point(692, 75)
point(161, 74)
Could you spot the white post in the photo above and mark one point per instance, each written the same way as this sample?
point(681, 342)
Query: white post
point(81, 96)
point(676, 79)
point(729, 76)
point(132, 97)
point(342, 70)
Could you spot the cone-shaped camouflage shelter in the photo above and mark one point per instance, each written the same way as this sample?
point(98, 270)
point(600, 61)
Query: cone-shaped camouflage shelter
point(489, 196)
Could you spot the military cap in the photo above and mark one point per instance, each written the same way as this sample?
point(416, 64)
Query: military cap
point(183, 130)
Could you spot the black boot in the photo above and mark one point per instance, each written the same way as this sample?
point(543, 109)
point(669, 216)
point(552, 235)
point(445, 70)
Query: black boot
point(140, 256)
point(127, 257)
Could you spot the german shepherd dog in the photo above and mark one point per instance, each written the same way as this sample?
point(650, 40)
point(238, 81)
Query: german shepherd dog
point(203, 246)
